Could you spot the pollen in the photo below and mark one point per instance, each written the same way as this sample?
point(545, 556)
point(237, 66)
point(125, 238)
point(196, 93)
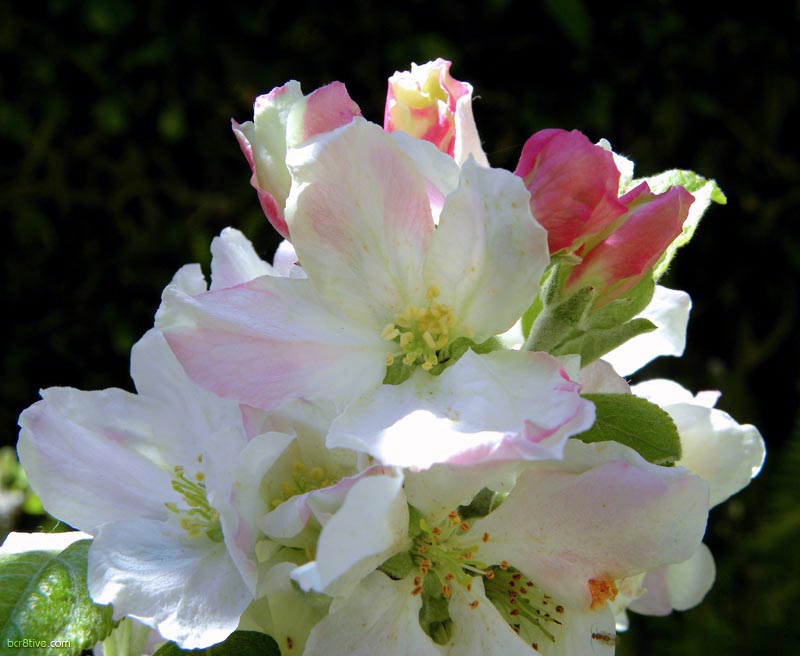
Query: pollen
point(197, 518)
point(602, 590)
point(423, 334)
point(302, 479)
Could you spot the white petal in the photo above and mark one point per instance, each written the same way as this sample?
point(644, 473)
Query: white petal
point(503, 406)
point(726, 454)
point(380, 616)
point(292, 613)
point(285, 263)
point(487, 254)
point(583, 633)
point(679, 587)
point(481, 630)
point(371, 525)
point(669, 311)
point(21, 542)
point(234, 260)
point(468, 143)
point(186, 419)
point(189, 589)
point(360, 220)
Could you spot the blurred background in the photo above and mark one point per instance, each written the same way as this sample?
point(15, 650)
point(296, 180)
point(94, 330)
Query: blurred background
point(117, 166)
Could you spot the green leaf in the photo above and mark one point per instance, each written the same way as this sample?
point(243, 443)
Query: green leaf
point(239, 643)
point(637, 423)
point(704, 191)
point(44, 598)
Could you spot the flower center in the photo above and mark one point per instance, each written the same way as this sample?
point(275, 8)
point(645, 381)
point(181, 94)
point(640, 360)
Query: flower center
point(302, 480)
point(198, 517)
point(423, 333)
point(526, 608)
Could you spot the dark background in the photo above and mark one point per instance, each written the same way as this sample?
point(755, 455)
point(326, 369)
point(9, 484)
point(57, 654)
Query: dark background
point(117, 166)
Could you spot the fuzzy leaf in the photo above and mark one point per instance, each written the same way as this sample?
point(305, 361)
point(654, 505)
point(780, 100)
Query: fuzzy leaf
point(44, 598)
point(704, 191)
point(637, 423)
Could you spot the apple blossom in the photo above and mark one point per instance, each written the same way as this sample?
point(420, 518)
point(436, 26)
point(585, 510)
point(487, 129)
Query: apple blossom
point(148, 475)
point(385, 284)
point(724, 453)
point(537, 570)
point(284, 117)
point(428, 103)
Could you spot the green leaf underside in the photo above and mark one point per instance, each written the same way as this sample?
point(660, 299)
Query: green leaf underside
point(239, 643)
point(44, 598)
point(637, 423)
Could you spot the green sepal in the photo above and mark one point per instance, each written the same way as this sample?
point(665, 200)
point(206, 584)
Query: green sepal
point(415, 522)
point(596, 343)
point(624, 308)
point(461, 346)
point(397, 373)
point(529, 316)
point(481, 505)
point(45, 598)
point(238, 643)
point(434, 615)
point(705, 192)
point(637, 423)
point(398, 566)
point(559, 322)
point(129, 638)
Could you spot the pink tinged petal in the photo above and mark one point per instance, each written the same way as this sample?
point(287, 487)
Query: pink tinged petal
point(503, 406)
point(564, 529)
point(380, 616)
point(323, 110)
point(677, 587)
point(599, 377)
point(478, 628)
point(87, 465)
point(629, 253)
point(263, 143)
point(371, 526)
point(669, 311)
point(360, 221)
point(487, 254)
point(573, 185)
point(188, 589)
point(270, 341)
point(234, 260)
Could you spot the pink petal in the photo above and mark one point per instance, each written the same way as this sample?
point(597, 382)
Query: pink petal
point(323, 110)
point(270, 341)
point(573, 185)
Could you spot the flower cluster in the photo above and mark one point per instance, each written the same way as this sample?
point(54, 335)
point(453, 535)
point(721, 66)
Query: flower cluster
point(410, 433)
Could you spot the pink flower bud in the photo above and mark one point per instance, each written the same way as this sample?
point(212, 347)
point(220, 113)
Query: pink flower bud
point(284, 118)
point(573, 185)
point(427, 103)
point(630, 252)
